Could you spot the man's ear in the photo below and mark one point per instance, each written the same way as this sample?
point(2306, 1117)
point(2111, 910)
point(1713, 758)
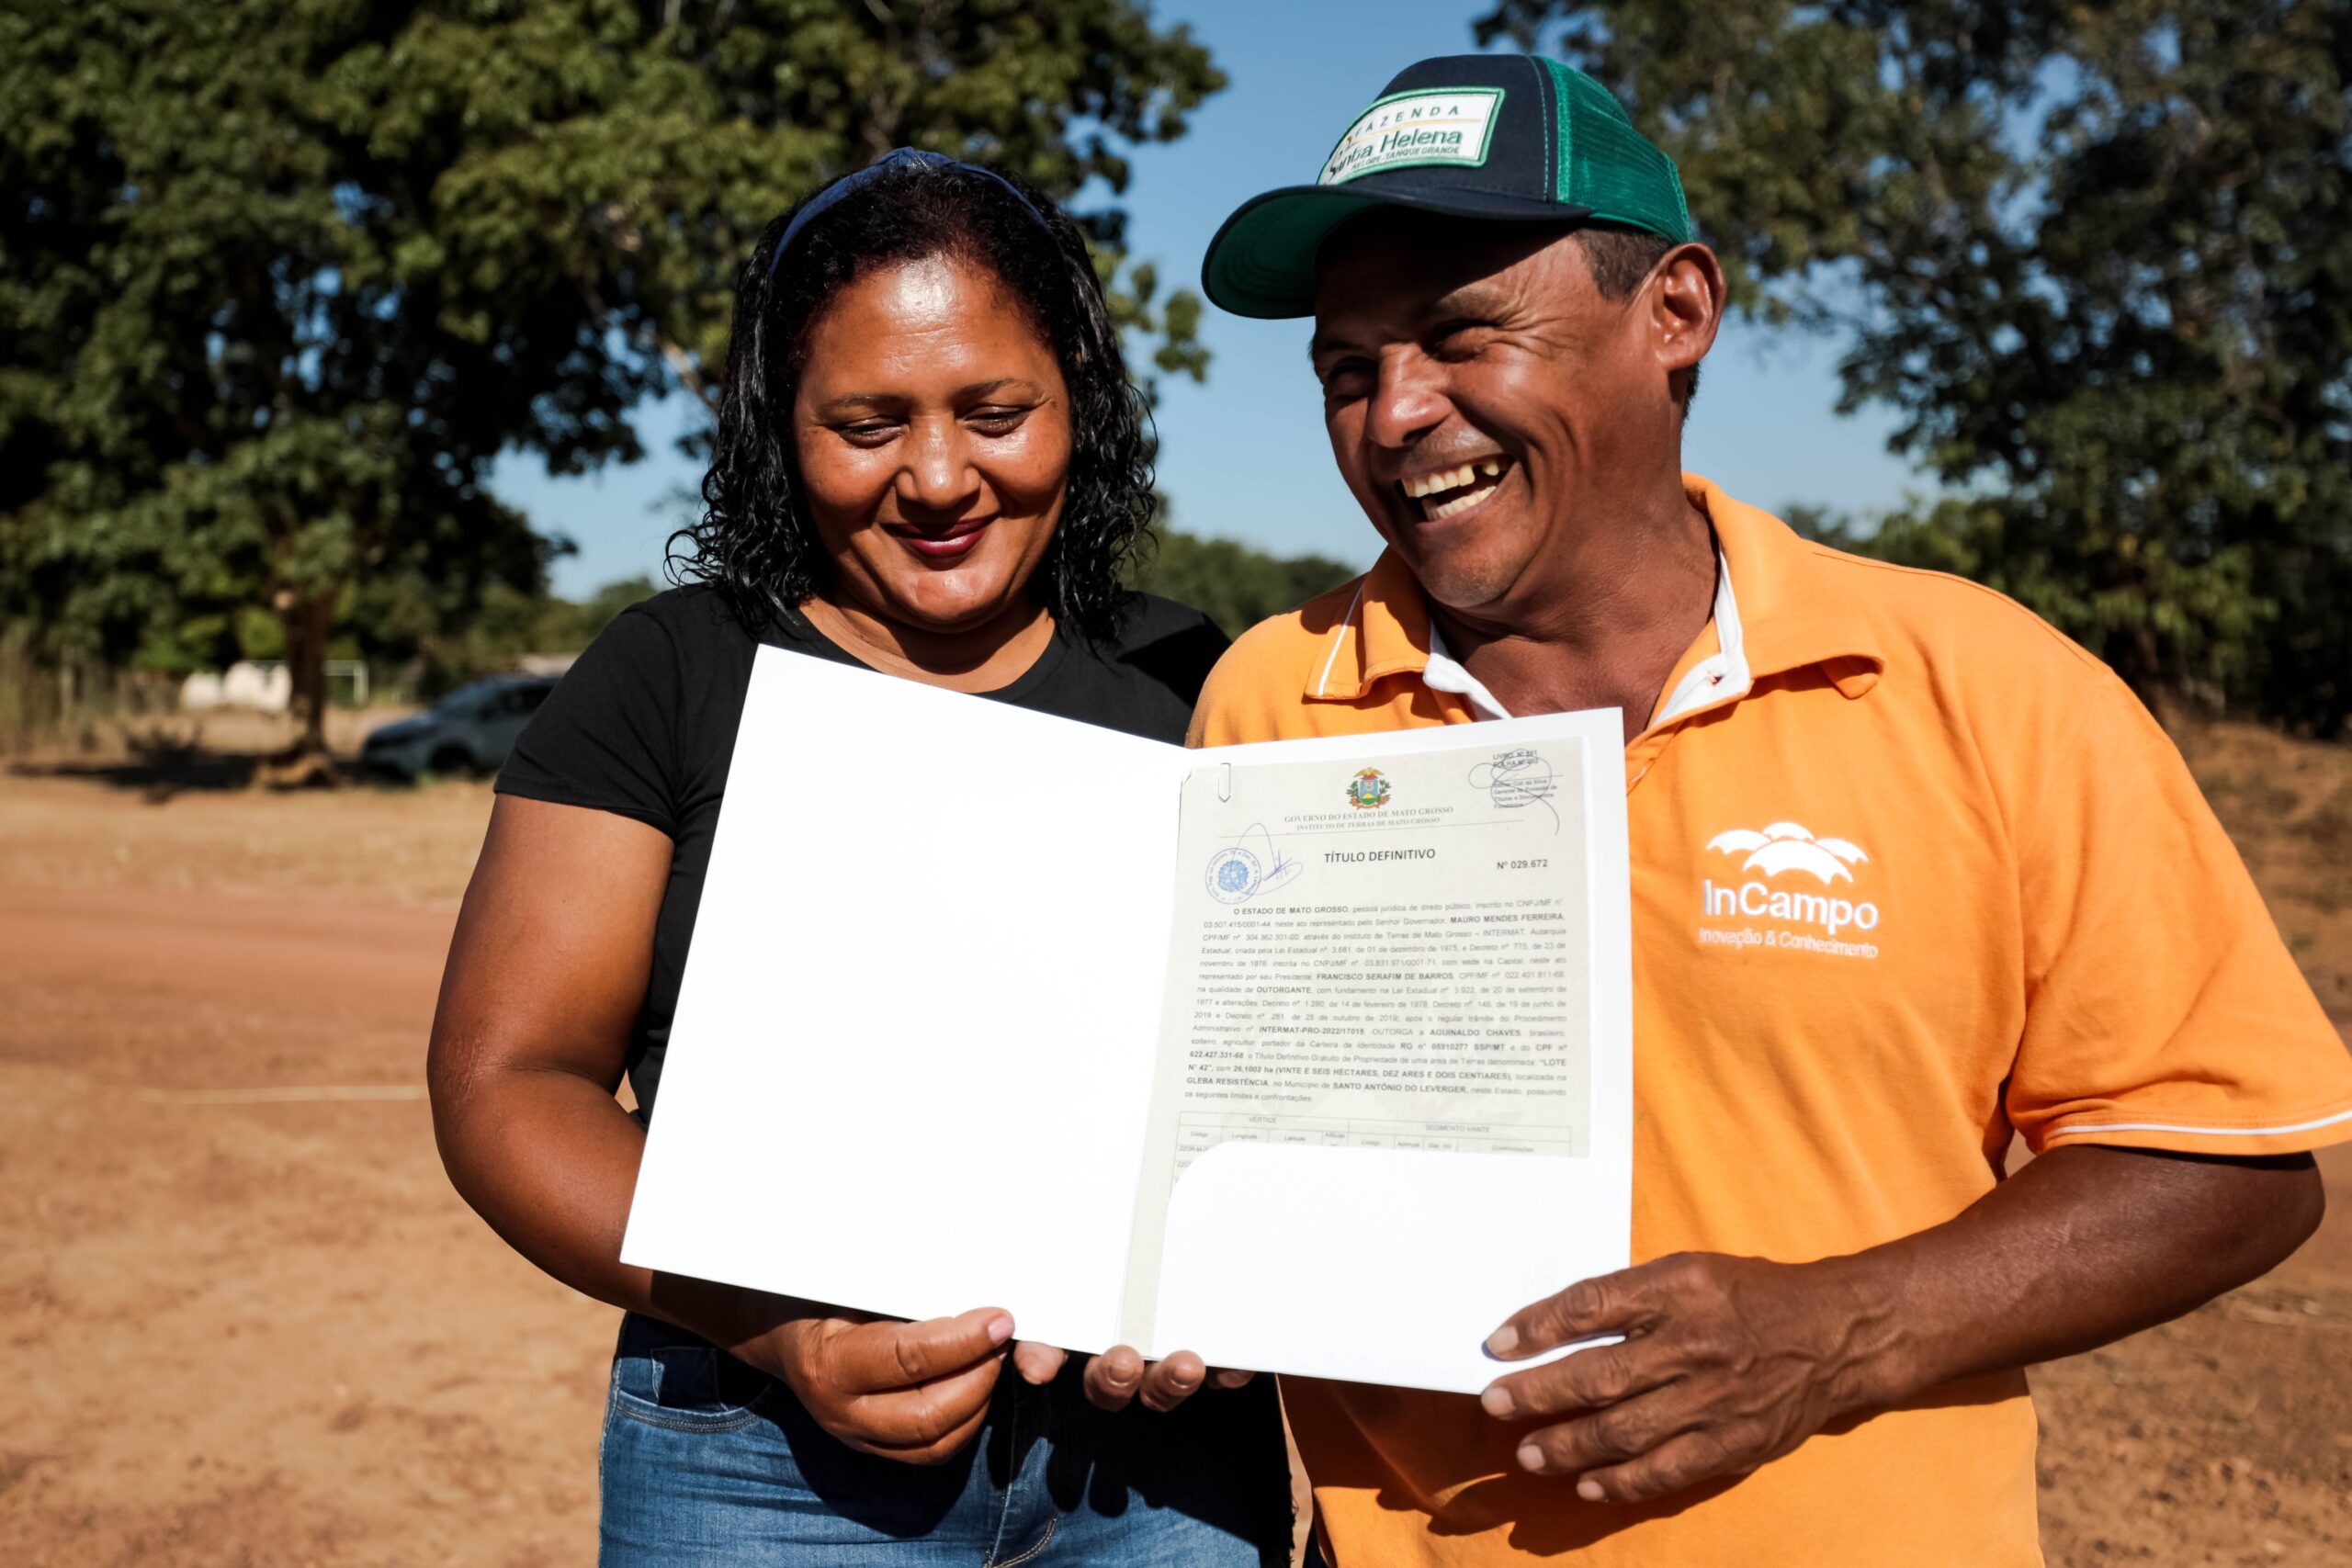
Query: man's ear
point(1685, 301)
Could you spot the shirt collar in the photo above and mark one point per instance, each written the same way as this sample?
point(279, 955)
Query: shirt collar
point(1446, 673)
point(1722, 676)
point(1385, 632)
point(1772, 614)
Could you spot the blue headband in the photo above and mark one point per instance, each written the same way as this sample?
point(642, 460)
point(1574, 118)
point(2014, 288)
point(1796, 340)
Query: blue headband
point(896, 158)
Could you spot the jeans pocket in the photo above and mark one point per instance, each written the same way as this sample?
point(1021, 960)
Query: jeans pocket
point(664, 1377)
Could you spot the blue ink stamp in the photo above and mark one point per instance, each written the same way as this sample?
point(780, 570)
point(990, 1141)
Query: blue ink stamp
point(1234, 875)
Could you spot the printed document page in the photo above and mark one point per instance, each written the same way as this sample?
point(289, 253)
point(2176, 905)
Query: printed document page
point(1390, 956)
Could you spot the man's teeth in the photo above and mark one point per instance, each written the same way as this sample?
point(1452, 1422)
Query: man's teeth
point(1432, 510)
point(1452, 478)
point(1465, 480)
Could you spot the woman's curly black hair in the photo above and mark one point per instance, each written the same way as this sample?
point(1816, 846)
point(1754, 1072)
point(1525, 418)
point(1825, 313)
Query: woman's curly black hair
point(754, 541)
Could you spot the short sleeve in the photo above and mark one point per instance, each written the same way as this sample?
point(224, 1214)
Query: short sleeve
point(607, 737)
point(1238, 700)
point(2163, 1009)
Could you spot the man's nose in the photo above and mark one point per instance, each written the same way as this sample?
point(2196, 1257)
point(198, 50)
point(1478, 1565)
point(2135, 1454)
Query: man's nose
point(1407, 398)
point(938, 475)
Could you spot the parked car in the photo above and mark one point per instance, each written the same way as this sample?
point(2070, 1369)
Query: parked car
point(468, 731)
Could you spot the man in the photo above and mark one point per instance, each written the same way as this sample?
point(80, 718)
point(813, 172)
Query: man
point(1911, 872)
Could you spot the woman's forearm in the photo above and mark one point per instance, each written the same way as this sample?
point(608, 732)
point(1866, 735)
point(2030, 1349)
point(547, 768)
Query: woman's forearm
point(550, 1160)
point(547, 972)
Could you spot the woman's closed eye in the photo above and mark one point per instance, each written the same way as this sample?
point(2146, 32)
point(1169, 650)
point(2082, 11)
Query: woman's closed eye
point(997, 419)
point(870, 431)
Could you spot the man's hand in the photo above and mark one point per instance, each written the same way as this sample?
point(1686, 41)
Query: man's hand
point(912, 1391)
point(1727, 1363)
point(1121, 1374)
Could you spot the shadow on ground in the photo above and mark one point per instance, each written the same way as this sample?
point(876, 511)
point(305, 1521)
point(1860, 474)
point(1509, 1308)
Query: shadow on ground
point(159, 764)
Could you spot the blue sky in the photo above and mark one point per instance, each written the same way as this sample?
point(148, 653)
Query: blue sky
point(1244, 456)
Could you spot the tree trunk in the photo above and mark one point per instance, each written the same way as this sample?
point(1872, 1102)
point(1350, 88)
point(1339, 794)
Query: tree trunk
point(306, 618)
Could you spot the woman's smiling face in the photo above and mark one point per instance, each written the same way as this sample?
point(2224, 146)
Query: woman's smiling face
point(933, 430)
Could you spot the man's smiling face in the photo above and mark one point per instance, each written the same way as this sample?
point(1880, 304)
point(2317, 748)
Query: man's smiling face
point(1480, 391)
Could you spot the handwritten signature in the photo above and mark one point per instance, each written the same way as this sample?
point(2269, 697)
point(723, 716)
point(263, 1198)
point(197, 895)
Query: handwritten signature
point(1516, 779)
point(1249, 866)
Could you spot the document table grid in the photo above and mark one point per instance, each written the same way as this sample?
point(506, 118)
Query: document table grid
point(1198, 1131)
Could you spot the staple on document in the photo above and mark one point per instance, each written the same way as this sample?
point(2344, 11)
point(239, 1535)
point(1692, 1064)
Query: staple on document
point(1224, 780)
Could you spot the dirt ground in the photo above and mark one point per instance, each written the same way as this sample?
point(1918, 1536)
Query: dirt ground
point(244, 1321)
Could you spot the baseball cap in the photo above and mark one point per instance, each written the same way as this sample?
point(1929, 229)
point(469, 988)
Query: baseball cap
point(1492, 136)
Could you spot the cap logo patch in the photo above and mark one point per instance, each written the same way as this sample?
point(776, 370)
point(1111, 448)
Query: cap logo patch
point(1451, 125)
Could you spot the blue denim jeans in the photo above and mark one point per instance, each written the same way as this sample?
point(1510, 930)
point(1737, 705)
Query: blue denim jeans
point(709, 1462)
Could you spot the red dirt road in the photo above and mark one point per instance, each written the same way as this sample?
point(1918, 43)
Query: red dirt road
point(260, 1333)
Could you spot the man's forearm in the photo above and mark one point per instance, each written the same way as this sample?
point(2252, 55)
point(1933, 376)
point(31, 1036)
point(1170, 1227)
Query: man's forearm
point(2084, 1246)
point(1727, 1363)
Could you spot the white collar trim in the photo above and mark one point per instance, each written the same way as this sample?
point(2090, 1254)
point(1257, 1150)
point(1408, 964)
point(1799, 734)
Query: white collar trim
point(1722, 676)
point(1447, 673)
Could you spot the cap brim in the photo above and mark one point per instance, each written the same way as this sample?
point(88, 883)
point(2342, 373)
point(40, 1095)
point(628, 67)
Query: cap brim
point(1262, 263)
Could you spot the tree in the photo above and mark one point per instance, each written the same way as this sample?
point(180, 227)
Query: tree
point(2100, 258)
point(508, 625)
point(1236, 585)
point(279, 282)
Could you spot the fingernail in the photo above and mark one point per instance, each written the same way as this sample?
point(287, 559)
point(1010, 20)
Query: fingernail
point(1589, 1490)
point(1532, 1458)
point(1496, 1400)
point(1000, 1330)
point(1503, 1341)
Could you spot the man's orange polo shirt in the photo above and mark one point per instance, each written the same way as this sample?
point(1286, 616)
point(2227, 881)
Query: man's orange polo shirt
point(1910, 872)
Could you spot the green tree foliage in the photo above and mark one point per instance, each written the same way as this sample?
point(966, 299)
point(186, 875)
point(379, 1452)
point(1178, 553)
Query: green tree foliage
point(508, 624)
point(280, 281)
point(2100, 258)
point(1236, 585)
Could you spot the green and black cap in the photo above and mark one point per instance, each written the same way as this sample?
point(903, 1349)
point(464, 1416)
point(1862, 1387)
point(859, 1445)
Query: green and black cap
point(1493, 136)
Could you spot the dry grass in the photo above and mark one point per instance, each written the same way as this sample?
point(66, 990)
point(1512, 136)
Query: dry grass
point(2288, 805)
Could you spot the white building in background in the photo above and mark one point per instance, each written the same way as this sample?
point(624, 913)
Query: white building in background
point(200, 693)
point(263, 686)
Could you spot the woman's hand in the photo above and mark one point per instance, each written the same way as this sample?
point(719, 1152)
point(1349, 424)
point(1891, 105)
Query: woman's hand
point(1121, 1374)
point(911, 1392)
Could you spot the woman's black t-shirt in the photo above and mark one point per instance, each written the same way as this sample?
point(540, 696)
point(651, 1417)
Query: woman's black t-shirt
point(644, 725)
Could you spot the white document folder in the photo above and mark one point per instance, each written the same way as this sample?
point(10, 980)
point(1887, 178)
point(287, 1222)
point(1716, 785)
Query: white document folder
point(915, 1050)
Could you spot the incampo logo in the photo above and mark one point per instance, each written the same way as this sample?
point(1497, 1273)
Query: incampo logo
point(1785, 847)
point(1789, 846)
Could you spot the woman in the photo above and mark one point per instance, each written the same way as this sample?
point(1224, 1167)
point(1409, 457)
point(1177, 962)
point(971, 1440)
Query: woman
point(929, 461)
